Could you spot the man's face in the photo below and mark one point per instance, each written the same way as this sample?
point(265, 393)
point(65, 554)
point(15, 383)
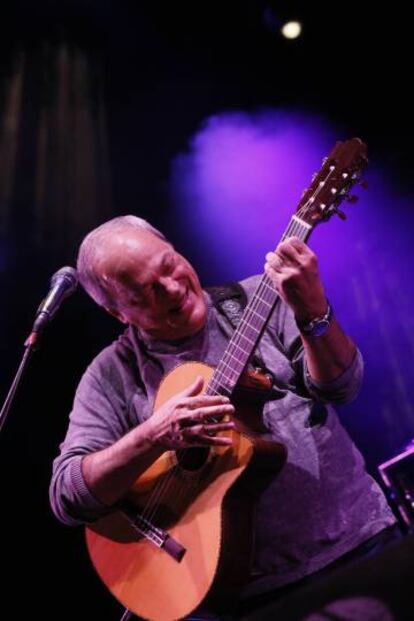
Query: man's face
point(153, 287)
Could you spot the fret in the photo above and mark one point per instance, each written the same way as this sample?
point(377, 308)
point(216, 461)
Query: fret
point(219, 390)
point(222, 375)
point(251, 316)
point(297, 227)
point(259, 310)
point(249, 325)
point(270, 287)
point(253, 312)
point(268, 304)
point(224, 381)
point(242, 335)
point(229, 354)
point(302, 222)
point(237, 346)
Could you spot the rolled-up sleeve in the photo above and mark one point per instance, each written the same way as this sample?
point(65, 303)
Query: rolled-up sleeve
point(95, 423)
point(341, 390)
point(70, 499)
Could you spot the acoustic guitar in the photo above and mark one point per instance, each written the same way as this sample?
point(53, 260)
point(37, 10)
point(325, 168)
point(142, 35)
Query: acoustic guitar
point(183, 535)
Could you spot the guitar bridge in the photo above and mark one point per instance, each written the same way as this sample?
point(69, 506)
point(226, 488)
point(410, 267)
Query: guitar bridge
point(155, 535)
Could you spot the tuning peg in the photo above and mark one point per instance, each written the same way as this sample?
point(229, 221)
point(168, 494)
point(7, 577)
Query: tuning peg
point(363, 183)
point(351, 198)
point(340, 213)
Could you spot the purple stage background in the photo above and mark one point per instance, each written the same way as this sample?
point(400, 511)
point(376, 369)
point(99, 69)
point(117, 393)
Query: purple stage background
point(235, 189)
point(204, 120)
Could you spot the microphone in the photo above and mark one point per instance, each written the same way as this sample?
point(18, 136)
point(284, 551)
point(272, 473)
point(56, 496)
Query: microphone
point(62, 284)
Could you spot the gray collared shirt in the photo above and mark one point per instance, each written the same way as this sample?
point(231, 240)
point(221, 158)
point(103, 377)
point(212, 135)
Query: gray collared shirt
point(321, 505)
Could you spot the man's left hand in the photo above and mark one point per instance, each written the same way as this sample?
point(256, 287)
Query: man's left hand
point(293, 270)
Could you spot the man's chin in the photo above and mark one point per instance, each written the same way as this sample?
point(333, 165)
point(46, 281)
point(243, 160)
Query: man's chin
point(189, 321)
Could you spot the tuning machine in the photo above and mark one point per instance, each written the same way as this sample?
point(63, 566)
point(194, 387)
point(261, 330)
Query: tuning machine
point(340, 213)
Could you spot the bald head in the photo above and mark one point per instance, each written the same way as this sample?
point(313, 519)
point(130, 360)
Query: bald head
point(137, 276)
point(99, 244)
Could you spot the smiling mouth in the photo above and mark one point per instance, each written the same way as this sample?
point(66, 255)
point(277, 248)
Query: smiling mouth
point(177, 309)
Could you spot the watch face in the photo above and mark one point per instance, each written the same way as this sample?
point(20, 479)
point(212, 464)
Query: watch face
point(320, 327)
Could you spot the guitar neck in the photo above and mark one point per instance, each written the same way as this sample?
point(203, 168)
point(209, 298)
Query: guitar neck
point(330, 186)
point(252, 324)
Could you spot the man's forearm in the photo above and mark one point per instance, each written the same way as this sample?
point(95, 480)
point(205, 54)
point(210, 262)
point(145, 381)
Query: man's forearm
point(186, 420)
point(328, 356)
point(110, 473)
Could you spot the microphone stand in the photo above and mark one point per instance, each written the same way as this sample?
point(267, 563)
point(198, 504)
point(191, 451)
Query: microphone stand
point(30, 347)
point(63, 283)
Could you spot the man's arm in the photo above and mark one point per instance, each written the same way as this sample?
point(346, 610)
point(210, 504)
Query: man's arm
point(184, 421)
point(100, 458)
point(293, 269)
point(110, 472)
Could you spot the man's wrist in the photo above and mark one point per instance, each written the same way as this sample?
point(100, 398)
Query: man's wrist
point(318, 325)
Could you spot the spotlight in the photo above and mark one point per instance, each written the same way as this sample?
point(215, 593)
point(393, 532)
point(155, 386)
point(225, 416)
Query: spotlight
point(291, 30)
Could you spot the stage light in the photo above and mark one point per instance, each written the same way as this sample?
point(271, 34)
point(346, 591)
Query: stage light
point(291, 30)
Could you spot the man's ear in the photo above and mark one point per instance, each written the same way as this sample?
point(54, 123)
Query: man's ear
point(116, 314)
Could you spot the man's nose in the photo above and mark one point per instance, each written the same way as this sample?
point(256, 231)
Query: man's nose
point(169, 285)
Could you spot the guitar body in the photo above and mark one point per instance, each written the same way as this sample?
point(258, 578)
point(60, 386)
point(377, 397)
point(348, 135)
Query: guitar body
point(195, 501)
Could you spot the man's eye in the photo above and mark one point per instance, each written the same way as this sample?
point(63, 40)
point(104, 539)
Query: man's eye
point(169, 264)
point(133, 302)
point(135, 299)
point(146, 291)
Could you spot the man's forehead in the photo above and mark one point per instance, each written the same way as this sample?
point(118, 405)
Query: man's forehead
point(136, 239)
point(130, 249)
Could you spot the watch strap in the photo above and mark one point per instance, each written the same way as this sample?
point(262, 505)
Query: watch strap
point(317, 326)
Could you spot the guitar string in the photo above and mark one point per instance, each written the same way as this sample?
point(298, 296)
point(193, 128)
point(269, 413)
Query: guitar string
point(162, 486)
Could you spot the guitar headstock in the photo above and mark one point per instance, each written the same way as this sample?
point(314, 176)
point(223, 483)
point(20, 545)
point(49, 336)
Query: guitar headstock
point(332, 184)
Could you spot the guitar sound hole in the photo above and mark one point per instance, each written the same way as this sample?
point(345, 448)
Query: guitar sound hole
point(192, 459)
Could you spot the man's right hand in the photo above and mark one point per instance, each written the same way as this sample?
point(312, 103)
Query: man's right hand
point(191, 419)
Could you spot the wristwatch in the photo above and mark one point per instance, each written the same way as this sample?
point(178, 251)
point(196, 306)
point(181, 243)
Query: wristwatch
point(317, 326)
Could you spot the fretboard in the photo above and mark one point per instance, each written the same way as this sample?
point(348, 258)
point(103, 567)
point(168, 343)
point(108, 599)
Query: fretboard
point(252, 324)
